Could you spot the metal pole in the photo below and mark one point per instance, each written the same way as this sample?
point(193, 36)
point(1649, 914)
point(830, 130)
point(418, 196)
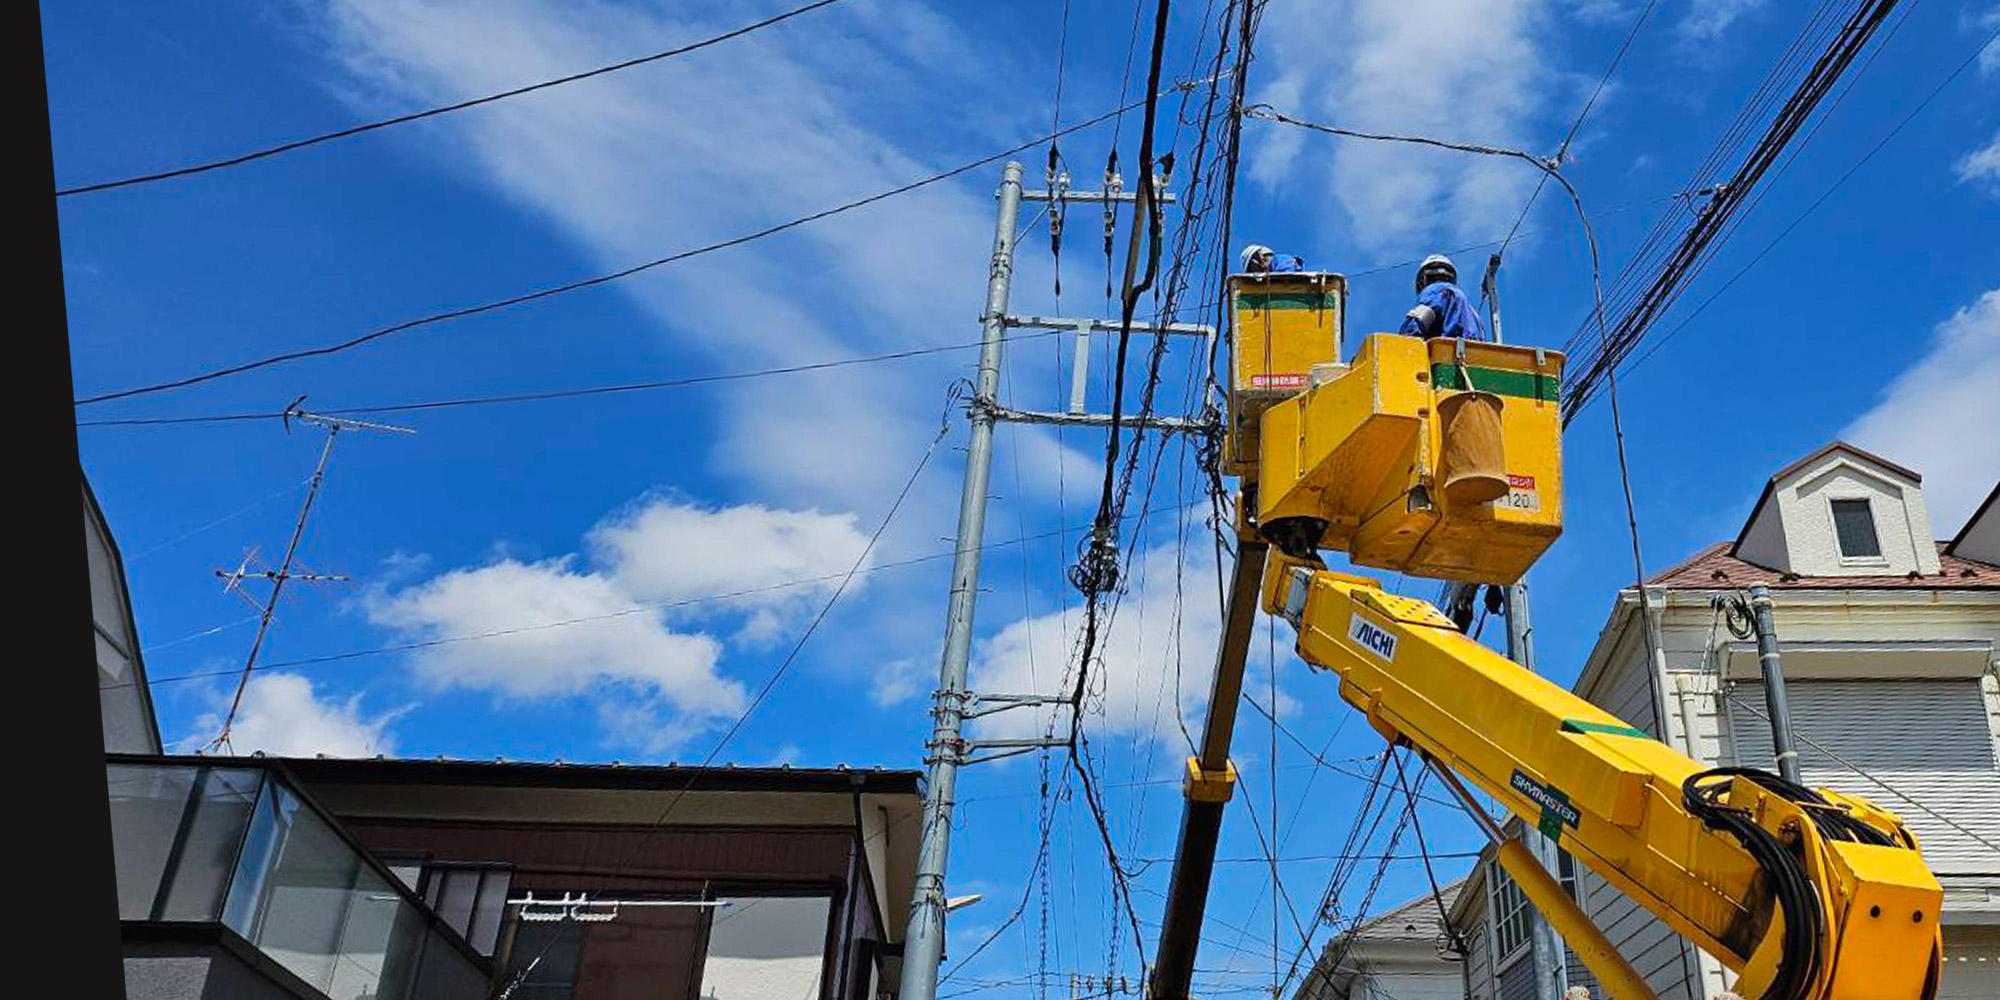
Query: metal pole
point(277, 587)
point(1490, 287)
point(923, 945)
point(1774, 683)
point(1520, 628)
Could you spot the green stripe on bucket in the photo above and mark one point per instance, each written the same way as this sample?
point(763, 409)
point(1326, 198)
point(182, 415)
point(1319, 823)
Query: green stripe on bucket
point(1503, 381)
point(1580, 726)
point(1287, 300)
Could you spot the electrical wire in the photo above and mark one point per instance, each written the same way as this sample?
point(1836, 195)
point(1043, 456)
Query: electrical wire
point(601, 279)
point(297, 144)
point(554, 394)
point(1816, 203)
point(805, 636)
point(622, 612)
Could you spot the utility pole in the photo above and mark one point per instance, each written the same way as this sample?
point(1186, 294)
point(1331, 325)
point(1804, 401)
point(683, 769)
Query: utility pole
point(923, 946)
point(1777, 705)
point(278, 577)
point(1551, 970)
point(953, 703)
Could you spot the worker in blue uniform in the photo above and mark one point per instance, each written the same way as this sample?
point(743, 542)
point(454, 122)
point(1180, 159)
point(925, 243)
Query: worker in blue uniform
point(1442, 309)
point(1259, 259)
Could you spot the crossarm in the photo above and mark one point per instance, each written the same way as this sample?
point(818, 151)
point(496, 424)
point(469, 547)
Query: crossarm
point(1807, 895)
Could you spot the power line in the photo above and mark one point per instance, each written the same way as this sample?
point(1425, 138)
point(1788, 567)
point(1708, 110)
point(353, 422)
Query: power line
point(1857, 769)
point(785, 666)
point(297, 144)
point(564, 623)
point(1817, 202)
point(601, 279)
point(1692, 252)
point(528, 397)
point(1577, 125)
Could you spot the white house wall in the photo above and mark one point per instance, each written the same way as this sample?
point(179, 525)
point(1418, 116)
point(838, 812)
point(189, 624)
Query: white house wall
point(1902, 521)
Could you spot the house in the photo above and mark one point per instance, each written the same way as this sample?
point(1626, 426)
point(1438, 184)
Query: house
point(247, 878)
point(1887, 641)
point(125, 701)
point(377, 879)
point(1510, 951)
point(1404, 954)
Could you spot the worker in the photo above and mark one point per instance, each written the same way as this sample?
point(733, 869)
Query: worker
point(1259, 259)
point(1442, 308)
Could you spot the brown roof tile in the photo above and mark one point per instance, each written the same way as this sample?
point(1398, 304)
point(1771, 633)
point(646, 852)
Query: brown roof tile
point(1714, 568)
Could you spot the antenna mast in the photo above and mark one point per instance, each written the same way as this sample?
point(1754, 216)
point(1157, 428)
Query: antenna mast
point(333, 426)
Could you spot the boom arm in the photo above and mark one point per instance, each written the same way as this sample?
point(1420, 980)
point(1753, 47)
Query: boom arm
point(1804, 894)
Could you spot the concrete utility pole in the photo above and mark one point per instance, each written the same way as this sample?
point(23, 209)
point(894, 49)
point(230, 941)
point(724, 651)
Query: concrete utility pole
point(1551, 971)
point(1777, 705)
point(953, 703)
point(923, 946)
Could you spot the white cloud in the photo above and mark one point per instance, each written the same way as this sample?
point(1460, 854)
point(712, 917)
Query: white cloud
point(766, 127)
point(665, 550)
point(899, 681)
point(1134, 684)
point(1928, 417)
point(1708, 19)
point(281, 715)
point(1484, 80)
point(653, 673)
point(1982, 164)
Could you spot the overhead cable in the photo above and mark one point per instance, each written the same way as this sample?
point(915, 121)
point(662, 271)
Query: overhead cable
point(297, 144)
point(602, 279)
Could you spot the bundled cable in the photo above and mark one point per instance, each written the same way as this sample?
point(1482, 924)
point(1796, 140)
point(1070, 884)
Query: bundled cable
point(1804, 914)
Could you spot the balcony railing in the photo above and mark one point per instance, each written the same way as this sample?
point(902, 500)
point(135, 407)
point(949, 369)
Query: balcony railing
point(234, 844)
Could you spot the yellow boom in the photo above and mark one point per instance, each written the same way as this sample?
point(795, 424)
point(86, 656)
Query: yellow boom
point(1442, 458)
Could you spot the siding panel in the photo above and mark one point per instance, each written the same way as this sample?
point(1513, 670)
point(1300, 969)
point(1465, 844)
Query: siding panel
point(1928, 740)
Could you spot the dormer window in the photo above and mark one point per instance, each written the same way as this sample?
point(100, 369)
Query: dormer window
point(1854, 526)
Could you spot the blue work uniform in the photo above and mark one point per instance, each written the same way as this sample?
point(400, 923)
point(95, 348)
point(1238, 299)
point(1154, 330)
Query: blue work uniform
point(1286, 264)
point(1443, 310)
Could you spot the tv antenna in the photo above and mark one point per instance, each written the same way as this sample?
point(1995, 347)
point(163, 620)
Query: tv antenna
point(234, 579)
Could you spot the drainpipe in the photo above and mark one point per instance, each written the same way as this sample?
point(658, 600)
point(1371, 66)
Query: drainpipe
point(1775, 703)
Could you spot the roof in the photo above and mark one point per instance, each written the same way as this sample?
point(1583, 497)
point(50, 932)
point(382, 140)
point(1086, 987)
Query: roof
point(1771, 485)
point(1985, 508)
point(1714, 568)
point(1415, 920)
point(556, 774)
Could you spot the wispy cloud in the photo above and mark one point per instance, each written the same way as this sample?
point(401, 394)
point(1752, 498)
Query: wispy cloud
point(1709, 19)
point(1485, 78)
point(1982, 165)
point(1926, 418)
point(777, 124)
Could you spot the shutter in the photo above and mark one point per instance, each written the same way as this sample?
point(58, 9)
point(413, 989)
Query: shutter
point(1926, 739)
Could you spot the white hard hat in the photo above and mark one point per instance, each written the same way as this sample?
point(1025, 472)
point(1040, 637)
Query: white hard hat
point(1251, 253)
point(1434, 262)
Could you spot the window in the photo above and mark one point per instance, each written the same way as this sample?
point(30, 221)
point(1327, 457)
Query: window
point(1511, 921)
point(472, 899)
point(1854, 525)
point(1566, 872)
point(644, 951)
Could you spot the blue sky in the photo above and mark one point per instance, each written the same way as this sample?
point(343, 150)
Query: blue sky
point(1877, 319)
